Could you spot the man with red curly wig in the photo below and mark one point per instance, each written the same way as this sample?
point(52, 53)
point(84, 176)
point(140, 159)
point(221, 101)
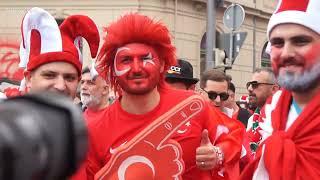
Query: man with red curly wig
point(153, 131)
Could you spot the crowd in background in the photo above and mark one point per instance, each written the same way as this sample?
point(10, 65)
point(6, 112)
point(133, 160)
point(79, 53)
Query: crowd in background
point(148, 117)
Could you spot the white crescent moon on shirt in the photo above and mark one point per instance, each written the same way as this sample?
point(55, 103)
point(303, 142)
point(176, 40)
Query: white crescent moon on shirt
point(131, 160)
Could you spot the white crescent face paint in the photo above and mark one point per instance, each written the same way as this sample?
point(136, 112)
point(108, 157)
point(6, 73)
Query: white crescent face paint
point(120, 72)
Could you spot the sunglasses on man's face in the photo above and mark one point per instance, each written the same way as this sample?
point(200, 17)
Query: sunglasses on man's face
point(256, 84)
point(213, 95)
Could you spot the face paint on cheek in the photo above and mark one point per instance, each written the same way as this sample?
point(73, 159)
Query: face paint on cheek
point(116, 63)
point(142, 82)
point(275, 59)
point(151, 64)
point(312, 56)
point(149, 59)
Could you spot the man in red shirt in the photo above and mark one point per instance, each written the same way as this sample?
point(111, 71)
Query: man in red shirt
point(153, 131)
point(51, 56)
point(290, 126)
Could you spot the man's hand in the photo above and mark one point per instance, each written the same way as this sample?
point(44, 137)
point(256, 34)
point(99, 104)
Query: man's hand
point(206, 156)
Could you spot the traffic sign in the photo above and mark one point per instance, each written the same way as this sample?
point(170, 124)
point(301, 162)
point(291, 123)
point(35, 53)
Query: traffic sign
point(224, 43)
point(233, 17)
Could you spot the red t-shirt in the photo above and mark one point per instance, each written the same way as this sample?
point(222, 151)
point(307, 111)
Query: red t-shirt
point(116, 127)
point(89, 116)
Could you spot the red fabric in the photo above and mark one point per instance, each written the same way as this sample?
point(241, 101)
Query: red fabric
point(235, 115)
point(12, 92)
point(79, 25)
point(35, 43)
point(298, 5)
point(71, 28)
point(253, 137)
point(89, 116)
point(295, 153)
point(152, 151)
point(251, 140)
point(244, 98)
point(245, 143)
point(49, 57)
point(117, 127)
point(80, 174)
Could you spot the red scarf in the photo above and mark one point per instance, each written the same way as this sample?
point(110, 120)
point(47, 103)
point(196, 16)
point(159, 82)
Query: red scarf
point(295, 153)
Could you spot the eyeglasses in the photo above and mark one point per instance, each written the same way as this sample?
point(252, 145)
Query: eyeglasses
point(213, 95)
point(256, 84)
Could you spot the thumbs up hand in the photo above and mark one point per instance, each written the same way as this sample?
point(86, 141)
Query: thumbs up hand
point(206, 156)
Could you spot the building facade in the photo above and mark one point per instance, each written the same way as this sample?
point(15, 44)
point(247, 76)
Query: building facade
point(186, 20)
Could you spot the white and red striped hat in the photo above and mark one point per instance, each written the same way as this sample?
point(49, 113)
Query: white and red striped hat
point(303, 12)
point(44, 42)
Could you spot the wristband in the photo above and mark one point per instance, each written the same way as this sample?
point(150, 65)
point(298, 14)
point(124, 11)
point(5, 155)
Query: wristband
point(219, 155)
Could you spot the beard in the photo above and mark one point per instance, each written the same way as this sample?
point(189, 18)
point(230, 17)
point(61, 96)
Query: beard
point(90, 100)
point(300, 83)
point(253, 101)
point(147, 84)
point(136, 90)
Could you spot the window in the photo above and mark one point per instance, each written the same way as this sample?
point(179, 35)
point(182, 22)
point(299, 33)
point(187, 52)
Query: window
point(265, 57)
point(203, 50)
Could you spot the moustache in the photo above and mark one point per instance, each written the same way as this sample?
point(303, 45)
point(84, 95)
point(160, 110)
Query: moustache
point(137, 76)
point(84, 94)
point(290, 63)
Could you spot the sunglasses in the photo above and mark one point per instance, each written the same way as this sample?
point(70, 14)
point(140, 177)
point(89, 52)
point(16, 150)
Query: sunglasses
point(256, 84)
point(213, 95)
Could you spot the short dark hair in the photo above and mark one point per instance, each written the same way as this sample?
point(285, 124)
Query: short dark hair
point(232, 87)
point(213, 75)
point(85, 70)
point(271, 77)
point(187, 83)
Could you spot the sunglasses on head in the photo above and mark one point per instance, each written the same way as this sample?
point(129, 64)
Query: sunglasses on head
point(213, 95)
point(256, 84)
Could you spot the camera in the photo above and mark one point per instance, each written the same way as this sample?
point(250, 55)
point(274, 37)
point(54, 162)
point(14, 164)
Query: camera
point(42, 136)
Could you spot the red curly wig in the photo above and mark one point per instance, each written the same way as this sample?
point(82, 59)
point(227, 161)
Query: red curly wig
point(134, 28)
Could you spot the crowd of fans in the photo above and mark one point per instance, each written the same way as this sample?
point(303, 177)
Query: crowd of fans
point(148, 117)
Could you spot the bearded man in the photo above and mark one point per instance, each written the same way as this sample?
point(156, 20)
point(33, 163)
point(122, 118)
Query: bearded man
point(290, 127)
point(94, 93)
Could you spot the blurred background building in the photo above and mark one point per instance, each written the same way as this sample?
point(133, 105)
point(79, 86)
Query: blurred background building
point(186, 20)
